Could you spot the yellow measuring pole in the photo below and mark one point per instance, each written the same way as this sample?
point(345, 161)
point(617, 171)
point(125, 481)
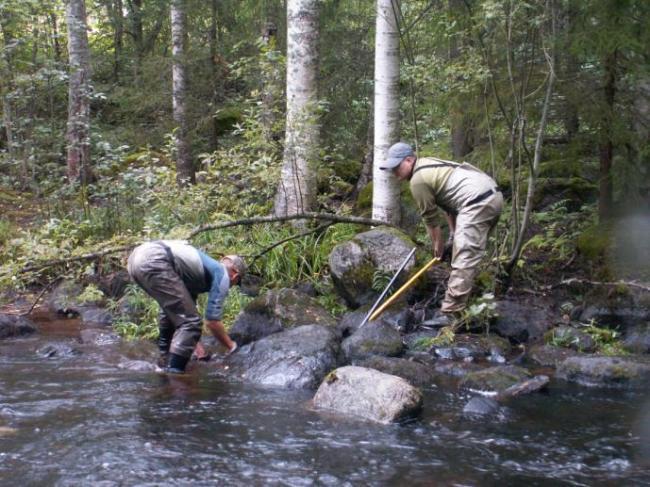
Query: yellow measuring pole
point(404, 287)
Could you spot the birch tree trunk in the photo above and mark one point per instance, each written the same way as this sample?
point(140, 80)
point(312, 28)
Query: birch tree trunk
point(297, 189)
point(78, 129)
point(184, 169)
point(386, 188)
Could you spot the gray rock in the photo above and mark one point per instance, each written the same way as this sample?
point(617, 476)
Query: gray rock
point(278, 310)
point(616, 316)
point(297, 358)
point(64, 298)
point(637, 339)
point(605, 371)
point(368, 394)
point(481, 406)
point(529, 386)
point(567, 336)
point(95, 316)
point(415, 373)
point(522, 322)
point(57, 350)
point(353, 263)
point(375, 338)
point(15, 326)
point(456, 369)
point(98, 337)
point(549, 355)
point(351, 321)
point(495, 379)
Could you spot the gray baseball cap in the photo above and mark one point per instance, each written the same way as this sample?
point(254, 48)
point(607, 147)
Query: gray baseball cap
point(396, 155)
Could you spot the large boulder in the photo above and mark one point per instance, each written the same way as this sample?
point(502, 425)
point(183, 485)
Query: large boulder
point(297, 358)
point(616, 315)
point(353, 263)
point(375, 338)
point(567, 336)
point(637, 339)
point(368, 394)
point(495, 379)
point(15, 326)
point(549, 355)
point(605, 371)
point(68, 298)
point(278, 310)
point(523, 322)
point(415, 373)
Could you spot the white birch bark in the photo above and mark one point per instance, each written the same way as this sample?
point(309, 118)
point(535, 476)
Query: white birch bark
point(184, 169)
point(386, 188)
point(78, 128)
point(297, 188)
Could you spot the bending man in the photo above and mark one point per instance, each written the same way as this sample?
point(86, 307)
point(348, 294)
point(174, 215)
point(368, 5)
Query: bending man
point(174, 273)
point(472, 202)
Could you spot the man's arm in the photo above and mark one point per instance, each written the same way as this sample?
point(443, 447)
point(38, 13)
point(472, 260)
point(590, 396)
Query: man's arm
point(437, 243)
point(219, 331)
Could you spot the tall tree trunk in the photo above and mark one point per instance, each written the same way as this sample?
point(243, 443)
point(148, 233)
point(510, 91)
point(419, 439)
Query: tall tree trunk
point(386, 188)
point(52, 20)
point(184, 168)
point(605, 198)
point(460, 121)
point(116, 12)
point(6, 83)
point(137, 32)
point(214, 66)
point(297, 188)
point(78, 129)
point(271, 77)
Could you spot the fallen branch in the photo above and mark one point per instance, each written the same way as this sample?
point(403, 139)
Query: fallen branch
point(301, 216)
point(575, 280)
point(329, 217)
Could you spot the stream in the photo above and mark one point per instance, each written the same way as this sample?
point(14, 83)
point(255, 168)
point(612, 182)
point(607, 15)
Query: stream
point(81, 420)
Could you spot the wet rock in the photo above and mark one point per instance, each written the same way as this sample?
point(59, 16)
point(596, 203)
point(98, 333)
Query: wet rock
point(351, 321)
point(15, 326)
point(94, 336)
point(616, 316)
point(375, 338)
point(522, 322)
point(495, 379)
point(137, 366)
point(567, 336)
point(481, 406)
point(402, 319)
point(368, 394)
point(57, 350)
point(637, 339)
point(415, 373)
point(456, 369)
point(278, 310)
point(64, 298)
point(297, 358)
point(605, 371)
point(353, 263)
point(95, 316)
point(420, 340)
point(529, 386)
point(549, 355)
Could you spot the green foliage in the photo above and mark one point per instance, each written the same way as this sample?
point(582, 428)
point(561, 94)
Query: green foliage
point(235, 302)
point(607, 340)
point(445, 338)
point(91, 294)
point(479, 313)
point(141, 307)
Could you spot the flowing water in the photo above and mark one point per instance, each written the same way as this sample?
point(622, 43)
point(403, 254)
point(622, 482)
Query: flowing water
point(81, 420)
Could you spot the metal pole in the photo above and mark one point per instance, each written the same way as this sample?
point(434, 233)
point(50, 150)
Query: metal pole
point(406, 285)
point(381, 296)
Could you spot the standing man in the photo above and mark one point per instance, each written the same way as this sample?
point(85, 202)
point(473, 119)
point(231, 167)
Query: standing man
point(472, 203)
point(174, 273)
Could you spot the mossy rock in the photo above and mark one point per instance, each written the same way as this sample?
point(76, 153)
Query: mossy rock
point(495, 378)
point(560, 168)
point(577, 191)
